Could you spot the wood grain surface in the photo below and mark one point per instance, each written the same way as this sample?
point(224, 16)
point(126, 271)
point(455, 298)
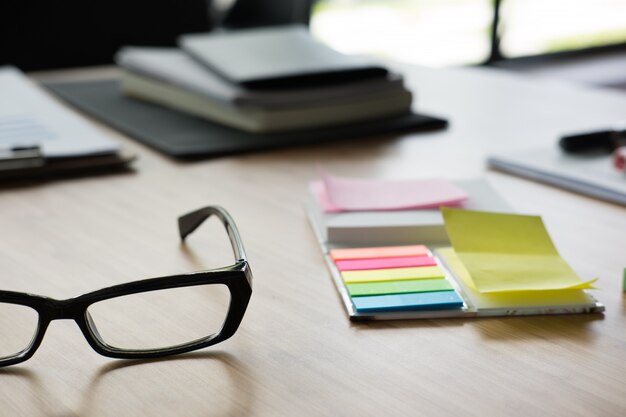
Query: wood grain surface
point(296, 353)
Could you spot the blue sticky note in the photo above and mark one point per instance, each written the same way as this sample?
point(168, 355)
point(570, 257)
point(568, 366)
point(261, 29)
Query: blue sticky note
point(440, 300)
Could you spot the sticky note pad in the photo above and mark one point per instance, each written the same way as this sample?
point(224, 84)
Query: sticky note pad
point(393, 274)
point(512, 300)
point(441, 300)
point(382, 263)
point(369, 194)
point(398, 287)
point(508, 252)
point(380, 252)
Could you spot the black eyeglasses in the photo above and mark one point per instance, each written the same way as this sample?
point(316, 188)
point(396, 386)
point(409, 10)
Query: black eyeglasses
point(141, 319)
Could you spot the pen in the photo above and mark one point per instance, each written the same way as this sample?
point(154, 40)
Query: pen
point(607, 140)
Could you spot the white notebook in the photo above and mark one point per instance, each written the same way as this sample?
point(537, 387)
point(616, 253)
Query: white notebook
point(589, 174)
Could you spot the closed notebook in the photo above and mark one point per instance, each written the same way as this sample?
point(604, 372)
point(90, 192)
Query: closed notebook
point(169, 77)
point(276, 57)
point(174, 67)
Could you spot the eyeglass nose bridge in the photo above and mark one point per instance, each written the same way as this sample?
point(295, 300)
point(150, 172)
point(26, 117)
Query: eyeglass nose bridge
point(63, 310)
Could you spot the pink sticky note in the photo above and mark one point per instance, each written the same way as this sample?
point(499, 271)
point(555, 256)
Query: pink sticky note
point(379, 252)
point(319, 191)
point(385, 263)
point(359, 194)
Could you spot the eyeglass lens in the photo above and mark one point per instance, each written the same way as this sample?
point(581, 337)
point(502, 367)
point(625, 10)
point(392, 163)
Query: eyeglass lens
point(162, 318)
point(18, 326)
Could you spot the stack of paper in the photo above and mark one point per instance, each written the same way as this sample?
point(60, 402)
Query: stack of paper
point(263, 80)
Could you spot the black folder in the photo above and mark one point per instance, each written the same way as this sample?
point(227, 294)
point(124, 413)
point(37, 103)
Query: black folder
point(184, 136)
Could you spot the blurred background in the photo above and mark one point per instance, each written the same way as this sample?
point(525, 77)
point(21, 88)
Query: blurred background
point(582, 41)
point(458, 32)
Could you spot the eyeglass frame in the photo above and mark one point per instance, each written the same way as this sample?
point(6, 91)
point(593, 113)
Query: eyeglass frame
point(237, 278)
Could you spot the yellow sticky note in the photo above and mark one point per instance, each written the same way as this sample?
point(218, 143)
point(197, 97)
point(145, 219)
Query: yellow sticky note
point(508, 252)
point(511, 300)
point(392, 274)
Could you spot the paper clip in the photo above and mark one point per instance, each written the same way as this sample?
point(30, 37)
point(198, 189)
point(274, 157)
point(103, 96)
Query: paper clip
point(16, 158)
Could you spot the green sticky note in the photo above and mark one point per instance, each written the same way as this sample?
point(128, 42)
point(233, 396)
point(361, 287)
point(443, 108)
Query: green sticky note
point(508, 252)
point(398, 287)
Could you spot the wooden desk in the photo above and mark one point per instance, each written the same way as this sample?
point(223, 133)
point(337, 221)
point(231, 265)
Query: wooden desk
point(296, 354)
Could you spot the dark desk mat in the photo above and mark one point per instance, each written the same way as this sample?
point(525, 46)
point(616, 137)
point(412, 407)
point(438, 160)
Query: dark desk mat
point(183, 136)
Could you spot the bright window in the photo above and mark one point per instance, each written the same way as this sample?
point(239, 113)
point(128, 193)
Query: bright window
point(454, 32)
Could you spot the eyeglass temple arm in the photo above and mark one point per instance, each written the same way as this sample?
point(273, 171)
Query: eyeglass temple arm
point(191, 221)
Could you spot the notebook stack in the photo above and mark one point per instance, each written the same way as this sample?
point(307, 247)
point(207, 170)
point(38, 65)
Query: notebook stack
point(264, 80)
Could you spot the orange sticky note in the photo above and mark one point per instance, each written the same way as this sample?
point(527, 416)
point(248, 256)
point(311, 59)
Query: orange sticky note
point(379, 252)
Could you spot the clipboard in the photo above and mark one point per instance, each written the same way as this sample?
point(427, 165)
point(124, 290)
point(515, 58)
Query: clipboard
point(29, 163)
point(40, 138)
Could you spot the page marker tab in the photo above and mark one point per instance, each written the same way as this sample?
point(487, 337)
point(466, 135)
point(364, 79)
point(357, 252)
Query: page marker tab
point(442, 300)
point(382, 263)
point(393, 274)
point(398, 287)
point(378, 252)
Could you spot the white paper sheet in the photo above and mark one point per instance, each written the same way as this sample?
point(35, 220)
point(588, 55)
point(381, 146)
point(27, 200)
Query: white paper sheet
point(29, 117)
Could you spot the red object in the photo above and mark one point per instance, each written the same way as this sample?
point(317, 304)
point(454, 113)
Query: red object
point(619, 158)
point(385, 263)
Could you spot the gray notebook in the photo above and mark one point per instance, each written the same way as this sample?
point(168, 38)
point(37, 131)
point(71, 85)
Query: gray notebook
point(276, 57)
